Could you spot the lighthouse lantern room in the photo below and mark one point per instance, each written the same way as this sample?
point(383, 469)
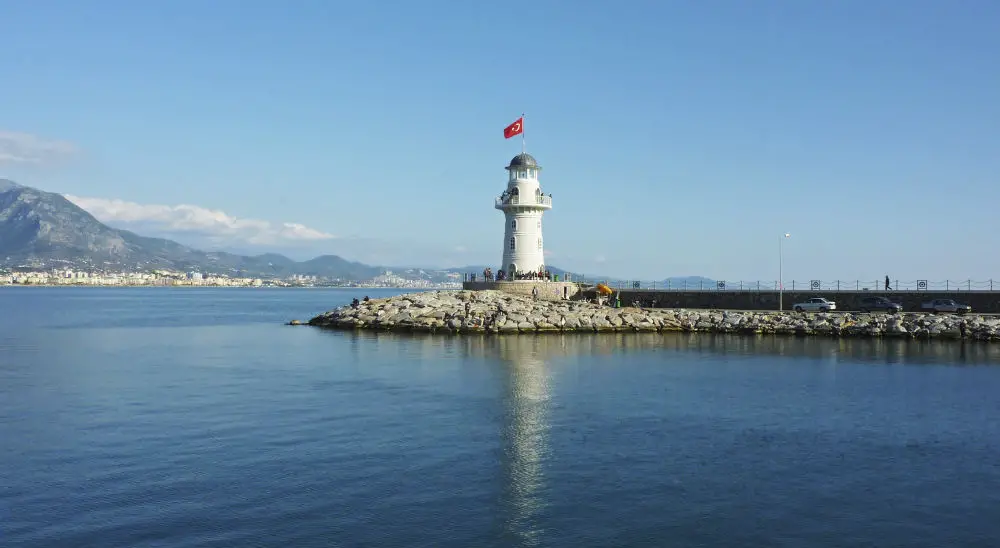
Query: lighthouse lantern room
point(523, 205)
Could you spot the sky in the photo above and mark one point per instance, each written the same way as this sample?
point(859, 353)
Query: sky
point(676, 137)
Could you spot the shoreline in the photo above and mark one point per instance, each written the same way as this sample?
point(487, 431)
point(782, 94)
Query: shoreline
point(186, 286)
point(498, 313)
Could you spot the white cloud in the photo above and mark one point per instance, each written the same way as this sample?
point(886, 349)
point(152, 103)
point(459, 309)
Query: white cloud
point(213, 223)
point(25, 148)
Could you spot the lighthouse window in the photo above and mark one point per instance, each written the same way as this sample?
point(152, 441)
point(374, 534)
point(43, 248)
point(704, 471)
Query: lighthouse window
point(513, 243)
point(513, 224)
point(539, 243)
point(539, 225)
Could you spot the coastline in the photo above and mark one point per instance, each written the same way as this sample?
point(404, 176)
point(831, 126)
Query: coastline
point(495, 312)
point(209, 286)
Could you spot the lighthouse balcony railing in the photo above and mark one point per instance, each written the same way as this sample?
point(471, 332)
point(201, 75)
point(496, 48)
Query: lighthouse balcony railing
point(544, 201)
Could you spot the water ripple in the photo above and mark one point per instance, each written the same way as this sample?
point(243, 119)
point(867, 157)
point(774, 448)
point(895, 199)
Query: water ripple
point(123, 431)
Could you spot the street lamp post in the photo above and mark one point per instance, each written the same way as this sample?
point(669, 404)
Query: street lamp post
point(781, 284)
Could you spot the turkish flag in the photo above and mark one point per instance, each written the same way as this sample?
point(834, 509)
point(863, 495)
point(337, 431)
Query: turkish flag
point(514, 129)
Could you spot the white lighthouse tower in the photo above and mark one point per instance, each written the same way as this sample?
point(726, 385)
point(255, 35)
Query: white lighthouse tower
point(523, 205)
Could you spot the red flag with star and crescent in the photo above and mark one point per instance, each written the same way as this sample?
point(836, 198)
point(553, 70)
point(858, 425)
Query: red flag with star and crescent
point(514, 129)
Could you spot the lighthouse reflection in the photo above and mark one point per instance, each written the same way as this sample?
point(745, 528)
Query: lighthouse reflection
point(524, 428)
point(525, 432)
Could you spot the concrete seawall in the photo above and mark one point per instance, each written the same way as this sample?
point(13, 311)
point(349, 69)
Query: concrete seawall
point(547, 291)
point(986, 302)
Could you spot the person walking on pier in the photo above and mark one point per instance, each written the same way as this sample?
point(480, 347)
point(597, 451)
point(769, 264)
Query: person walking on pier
point(887, 286)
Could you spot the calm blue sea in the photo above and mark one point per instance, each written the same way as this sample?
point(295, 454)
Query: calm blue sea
point(192, 417)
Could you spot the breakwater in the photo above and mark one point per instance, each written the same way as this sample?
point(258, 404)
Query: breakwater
point(986, 302)
point(498, 312)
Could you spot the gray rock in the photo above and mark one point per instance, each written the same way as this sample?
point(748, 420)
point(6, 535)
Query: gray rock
point(602, 324)
point(646, 325)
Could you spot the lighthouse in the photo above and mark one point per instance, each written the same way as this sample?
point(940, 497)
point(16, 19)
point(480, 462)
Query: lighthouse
point(523, 205)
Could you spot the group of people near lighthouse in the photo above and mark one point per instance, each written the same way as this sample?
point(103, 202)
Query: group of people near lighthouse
point(542, 275)
point(501, 275)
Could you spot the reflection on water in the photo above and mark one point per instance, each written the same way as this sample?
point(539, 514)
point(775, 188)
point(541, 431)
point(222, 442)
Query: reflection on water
point(525, 366)
point(847, 350)
point(517, 348)
point(525, 434)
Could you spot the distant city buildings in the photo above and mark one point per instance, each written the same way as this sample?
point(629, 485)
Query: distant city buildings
point(70, 277)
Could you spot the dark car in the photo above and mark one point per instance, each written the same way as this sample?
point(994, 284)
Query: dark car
point(872, 304)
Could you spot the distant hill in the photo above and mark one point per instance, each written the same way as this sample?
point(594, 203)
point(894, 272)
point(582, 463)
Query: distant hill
point(687, 281)
point(45, 230)
point(478, 269)
point(677, 281)
point(690, 282)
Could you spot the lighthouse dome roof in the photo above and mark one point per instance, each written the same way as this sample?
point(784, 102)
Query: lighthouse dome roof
point(523, 160)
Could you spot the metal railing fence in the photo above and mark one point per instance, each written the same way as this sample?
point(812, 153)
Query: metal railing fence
point(802, 285)
point(774, 285)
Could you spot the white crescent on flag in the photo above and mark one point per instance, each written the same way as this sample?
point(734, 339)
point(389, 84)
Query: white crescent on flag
point(514, 129)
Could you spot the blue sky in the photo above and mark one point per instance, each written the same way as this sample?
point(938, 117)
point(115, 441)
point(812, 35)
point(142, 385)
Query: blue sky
point(678, 138)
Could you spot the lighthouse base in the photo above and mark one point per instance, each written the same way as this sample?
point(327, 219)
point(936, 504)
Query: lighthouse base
point(548, 291)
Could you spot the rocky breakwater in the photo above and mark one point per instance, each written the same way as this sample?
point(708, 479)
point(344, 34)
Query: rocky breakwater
point(497, 312)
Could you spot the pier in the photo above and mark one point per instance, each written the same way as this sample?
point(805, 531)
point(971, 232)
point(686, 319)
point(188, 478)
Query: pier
point(749, 297)
point(981, 301)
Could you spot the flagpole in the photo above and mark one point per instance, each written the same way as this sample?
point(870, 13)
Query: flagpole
point(522, 133)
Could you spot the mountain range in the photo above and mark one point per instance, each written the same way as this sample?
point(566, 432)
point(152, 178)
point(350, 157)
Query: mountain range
point(42, 230)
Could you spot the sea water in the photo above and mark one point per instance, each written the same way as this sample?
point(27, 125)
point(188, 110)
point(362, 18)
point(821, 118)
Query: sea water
point(190, 417)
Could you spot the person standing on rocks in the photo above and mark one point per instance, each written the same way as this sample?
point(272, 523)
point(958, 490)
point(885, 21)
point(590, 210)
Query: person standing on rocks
point(534, 292)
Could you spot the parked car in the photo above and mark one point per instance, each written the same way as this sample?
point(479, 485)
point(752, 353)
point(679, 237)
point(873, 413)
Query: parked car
point(945, 305)
point(872, 304)
point(816, 304)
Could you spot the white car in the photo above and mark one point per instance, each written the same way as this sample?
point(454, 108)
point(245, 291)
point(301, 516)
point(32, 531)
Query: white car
point(816, 304)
